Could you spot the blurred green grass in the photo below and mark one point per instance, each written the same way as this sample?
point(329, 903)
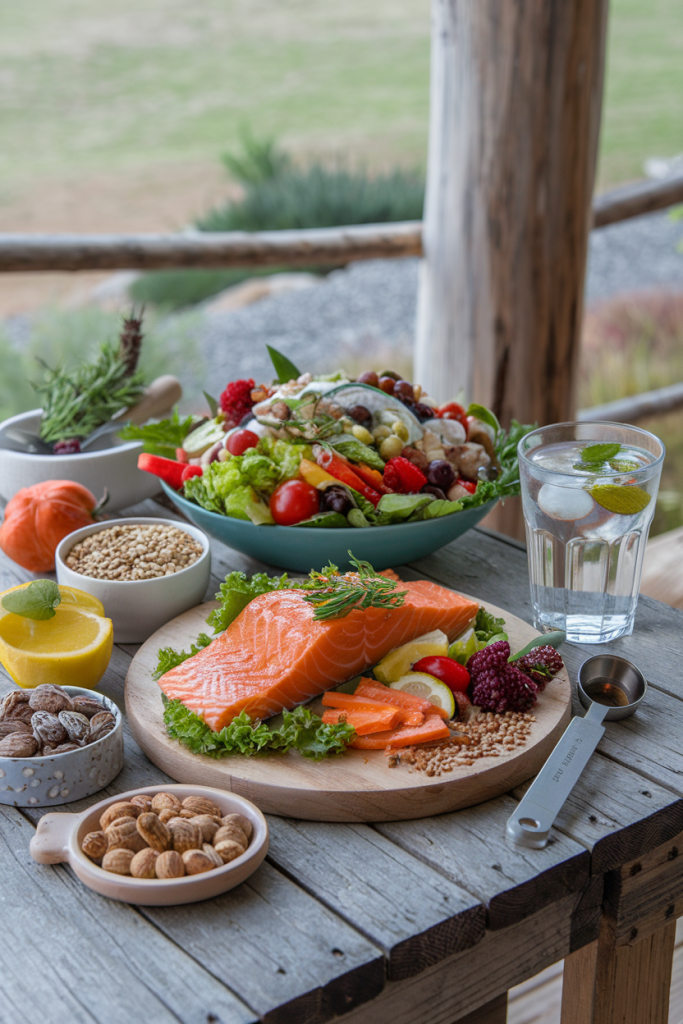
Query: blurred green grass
point(93, 86)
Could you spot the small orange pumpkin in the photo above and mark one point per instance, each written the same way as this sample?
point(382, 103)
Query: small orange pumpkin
point(37, 518)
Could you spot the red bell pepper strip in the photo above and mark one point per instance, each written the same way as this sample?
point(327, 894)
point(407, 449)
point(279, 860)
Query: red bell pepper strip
point(189, 471)
point(168, 470)
point(182, 456)
point(342, 472)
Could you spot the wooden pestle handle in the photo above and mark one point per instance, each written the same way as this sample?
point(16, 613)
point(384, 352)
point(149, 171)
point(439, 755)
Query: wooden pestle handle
point(159, 398)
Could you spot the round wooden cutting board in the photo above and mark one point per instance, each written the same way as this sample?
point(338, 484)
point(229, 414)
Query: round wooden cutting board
point(355, 786)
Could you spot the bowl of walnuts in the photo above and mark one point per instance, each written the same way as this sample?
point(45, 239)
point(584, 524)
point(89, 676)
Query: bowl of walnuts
point(57, 744)
point(158, 846)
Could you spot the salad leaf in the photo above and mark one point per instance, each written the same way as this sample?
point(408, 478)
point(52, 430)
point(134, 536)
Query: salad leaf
point(285, 370)
point(36, 601)
point(464, 647)
point(300, 730)
point(325, 520)
point(437, 508)
point(397, 508)
point(480, 412)
point(285, 455)
point(195, 490)
point(170, 658)
point(159, 438)
point(487, 625)
point(244, 503)
point(237, 590)
point(356, 518)
point(212, 404)
point(353, 449)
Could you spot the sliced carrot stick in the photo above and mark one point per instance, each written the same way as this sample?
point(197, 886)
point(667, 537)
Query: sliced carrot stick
point(365, 722)
point(434, 728)
point(399, 698)
point(353, 702)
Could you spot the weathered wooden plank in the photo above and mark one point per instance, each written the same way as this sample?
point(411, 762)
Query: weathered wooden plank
point(279, 949)
point(359, 874)
point(617, 814)
point(447, 992)
point(69, 955)
point(495, 1012)
point(470, 847)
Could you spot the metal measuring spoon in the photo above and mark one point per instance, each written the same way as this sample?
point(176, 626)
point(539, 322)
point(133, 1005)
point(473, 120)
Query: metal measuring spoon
point(611, 688)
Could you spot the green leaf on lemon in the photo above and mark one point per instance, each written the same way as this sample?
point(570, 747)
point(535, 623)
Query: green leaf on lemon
point(624, 501)
point(36, 601)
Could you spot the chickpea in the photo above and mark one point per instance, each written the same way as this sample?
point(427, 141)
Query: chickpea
point(391, 447)
point(379, 433)
point(346, 423)
point(400, 429)
point(361, 434)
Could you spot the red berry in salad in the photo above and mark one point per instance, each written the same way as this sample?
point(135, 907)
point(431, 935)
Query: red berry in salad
point(236, 401)
point(452, 673)
point(494, 656)
point(402, 476)
point(292, 501)
point(504, 689)
point(241, 441)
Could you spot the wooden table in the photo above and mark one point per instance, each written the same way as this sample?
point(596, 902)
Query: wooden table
point(418, 922)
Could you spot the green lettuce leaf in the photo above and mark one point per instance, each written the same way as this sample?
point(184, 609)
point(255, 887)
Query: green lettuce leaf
point(300, 730)
point(357, 519)
point(437, 508)
point(195, 490)
point(169, 658)
point(238, 590)
point(351, 448)
point(396, 508)
point(487, 625)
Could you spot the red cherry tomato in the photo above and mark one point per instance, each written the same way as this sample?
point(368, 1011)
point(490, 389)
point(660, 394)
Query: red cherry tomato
point(469, 485)
point(292, 501)
point(452, 673)
point(190, 471)
point(454, 411)
point(240, 441)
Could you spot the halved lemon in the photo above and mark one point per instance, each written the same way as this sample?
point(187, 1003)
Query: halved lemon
point(396, 663)
point(72, 648)
point(420, 684)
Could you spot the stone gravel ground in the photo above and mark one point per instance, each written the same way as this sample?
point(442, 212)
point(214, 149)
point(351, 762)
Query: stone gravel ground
point(368, 310)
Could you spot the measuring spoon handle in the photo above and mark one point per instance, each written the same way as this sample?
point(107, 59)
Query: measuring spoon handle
point(533, 817)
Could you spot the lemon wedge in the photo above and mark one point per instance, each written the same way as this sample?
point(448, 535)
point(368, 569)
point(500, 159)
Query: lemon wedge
point(399, 661)
point(420, 684)
point(72, 648)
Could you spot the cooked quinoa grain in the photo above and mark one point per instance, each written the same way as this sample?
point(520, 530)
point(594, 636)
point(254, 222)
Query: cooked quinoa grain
point(484, 735)
point(134, 552)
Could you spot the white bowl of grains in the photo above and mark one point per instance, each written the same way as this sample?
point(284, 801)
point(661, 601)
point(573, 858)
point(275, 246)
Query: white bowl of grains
point(144, 571)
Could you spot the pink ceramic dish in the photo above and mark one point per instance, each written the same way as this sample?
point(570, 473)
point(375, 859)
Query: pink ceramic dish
point(59, 836)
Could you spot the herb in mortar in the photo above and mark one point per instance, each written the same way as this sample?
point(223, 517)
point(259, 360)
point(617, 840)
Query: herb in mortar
point(36, 601)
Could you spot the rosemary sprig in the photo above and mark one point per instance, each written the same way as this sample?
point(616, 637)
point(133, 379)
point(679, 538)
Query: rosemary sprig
point(77, 402)
point(336, 594)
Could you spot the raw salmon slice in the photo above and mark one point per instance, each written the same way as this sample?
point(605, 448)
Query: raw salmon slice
point(274, 655)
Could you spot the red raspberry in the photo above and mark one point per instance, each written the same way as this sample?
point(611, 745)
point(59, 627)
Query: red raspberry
point(494, 656)
point(504, 689)
point(401, 475)
point(541, 664)
point(236, 401)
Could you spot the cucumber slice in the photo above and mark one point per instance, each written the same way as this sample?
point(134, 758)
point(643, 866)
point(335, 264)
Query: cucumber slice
point(377, 401)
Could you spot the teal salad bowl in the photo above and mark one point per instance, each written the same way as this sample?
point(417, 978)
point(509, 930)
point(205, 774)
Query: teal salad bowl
point(302, 548)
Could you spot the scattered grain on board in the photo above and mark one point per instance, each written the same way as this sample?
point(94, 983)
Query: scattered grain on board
point(134, 552)
point(484, 735)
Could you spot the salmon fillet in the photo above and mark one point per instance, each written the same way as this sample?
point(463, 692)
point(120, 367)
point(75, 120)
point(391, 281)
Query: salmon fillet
point(274, 655)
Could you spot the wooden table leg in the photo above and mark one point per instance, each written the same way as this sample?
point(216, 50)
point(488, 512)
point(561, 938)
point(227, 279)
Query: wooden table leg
point(495, 1012)
point(608, 984)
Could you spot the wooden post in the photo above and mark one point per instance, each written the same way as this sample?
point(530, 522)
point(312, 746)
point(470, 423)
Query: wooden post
point(516, 89)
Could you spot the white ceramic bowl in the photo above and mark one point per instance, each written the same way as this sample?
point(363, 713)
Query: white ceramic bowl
point(53, 779)
point(59, 836)
point(115, 468)
point(138, 608)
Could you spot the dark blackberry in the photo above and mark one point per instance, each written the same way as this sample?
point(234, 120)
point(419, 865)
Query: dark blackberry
point(541, 664)
point(504, 689)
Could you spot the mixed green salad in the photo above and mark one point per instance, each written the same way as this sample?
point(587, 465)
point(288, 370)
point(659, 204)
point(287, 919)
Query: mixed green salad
point(329, 452)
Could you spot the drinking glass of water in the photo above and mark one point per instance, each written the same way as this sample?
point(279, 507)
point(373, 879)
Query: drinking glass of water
point(589, 493)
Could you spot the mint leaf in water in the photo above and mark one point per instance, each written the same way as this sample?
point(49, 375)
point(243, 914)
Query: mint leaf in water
point(36, 601)
point(598, 453)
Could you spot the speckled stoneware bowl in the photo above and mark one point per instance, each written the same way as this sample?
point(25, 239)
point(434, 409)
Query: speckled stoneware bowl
point(62, 778)
point(59, 836)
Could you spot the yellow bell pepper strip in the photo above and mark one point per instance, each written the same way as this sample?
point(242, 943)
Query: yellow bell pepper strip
point(314, 475)
point(343, 472)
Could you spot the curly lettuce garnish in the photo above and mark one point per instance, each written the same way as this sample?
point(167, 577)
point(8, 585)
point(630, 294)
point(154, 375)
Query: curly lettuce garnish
point(300, 730)
point(170, 658)
point(238, 590)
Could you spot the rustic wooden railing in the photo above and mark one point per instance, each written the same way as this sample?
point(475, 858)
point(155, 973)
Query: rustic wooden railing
point(303, 248)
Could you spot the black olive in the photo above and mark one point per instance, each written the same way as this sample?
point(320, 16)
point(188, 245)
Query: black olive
point(336, 499)
point(402, 389)
point(441, 474)
point(361, 415)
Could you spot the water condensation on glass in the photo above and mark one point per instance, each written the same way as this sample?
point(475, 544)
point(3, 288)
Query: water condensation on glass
point(585, 562)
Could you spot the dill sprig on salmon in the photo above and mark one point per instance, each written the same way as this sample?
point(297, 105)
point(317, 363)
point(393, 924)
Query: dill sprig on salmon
point(336, 594)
